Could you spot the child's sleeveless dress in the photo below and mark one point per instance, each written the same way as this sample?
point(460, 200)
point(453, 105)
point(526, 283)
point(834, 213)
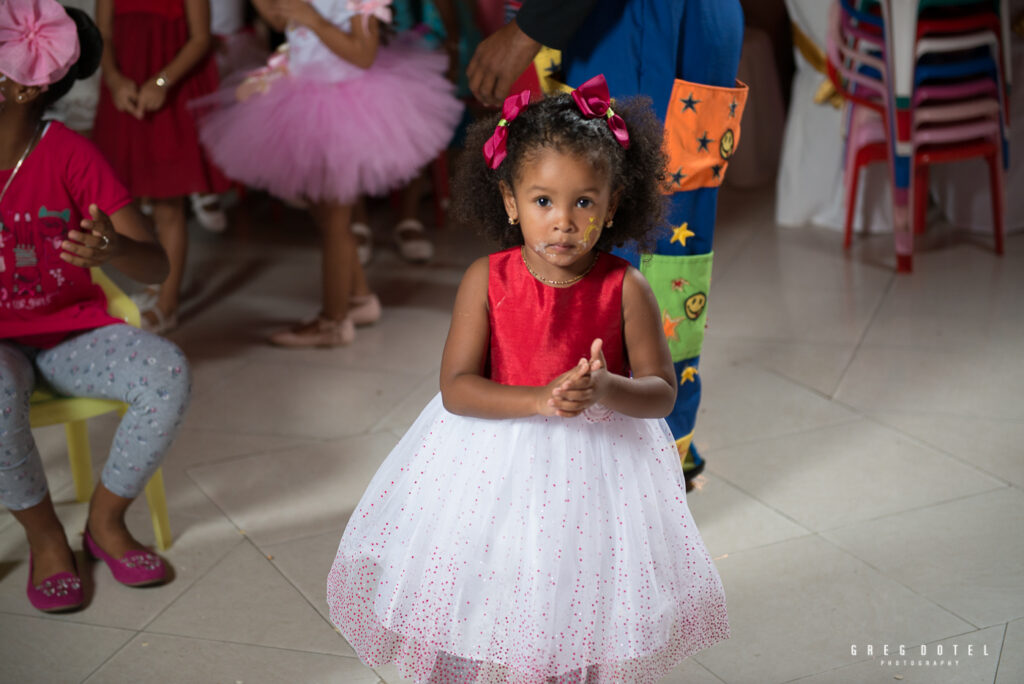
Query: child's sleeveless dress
point(530, 550)
point(320, 128)
point(160, 155)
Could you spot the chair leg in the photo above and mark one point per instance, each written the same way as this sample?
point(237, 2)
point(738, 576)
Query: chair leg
point(996, 189)
point(156, 497)
point(853, 176)
point(80, 458)
point(921, 173)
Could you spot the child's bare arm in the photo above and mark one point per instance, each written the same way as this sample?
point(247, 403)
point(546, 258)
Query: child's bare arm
point(123, 90)
point(197, 13)
point(268, 14)
point(121, 240)
point(464, 389)
point(153, 92)
point(357, 46)
point(651, 392)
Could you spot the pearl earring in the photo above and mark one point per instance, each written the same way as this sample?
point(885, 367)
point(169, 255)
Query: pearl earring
point(609, 223)
point(511, 221)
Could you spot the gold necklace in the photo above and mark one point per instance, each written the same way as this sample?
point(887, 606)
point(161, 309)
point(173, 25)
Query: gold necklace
point(570, 281)
point(17, 167)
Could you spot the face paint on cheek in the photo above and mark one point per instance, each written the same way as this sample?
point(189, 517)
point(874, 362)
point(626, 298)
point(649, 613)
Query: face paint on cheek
point(591, 227)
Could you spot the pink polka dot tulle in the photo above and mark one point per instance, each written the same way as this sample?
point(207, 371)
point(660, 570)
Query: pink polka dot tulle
point(527, 551)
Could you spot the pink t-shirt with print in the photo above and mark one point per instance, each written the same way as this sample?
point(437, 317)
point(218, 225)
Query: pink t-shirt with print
point(43, 298)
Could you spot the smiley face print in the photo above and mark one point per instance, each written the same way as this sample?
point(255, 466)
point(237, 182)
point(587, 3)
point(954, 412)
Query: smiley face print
point(727, 145)
point(694, 305)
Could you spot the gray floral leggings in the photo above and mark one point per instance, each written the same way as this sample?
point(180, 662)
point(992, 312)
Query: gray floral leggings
point(144, 370)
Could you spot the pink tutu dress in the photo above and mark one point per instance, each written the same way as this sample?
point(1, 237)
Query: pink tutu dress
point(314, 126)
point(535, 550)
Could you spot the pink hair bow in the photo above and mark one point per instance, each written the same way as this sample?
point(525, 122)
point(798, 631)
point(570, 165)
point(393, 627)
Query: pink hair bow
point(371, 8)
point(495, 149)
point(38, 41)
point(593, 100)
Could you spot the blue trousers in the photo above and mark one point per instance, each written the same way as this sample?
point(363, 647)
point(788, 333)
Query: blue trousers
point(641, 47)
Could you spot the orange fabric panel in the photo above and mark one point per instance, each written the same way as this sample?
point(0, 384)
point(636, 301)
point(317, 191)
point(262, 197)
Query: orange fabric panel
point(702, 131)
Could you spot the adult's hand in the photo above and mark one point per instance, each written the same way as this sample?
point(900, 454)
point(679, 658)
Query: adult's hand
point(498, 61)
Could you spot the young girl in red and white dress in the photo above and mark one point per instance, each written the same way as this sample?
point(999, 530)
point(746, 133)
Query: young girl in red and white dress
point(532, 526)
point(335, 115)
point(157, 58)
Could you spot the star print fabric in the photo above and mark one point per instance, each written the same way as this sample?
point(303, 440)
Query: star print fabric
point(681, 284)
point(702, 130)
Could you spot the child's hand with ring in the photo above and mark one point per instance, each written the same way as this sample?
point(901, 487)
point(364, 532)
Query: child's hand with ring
point(95, 244)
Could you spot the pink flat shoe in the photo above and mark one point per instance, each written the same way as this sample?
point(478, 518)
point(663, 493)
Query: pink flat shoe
point(322, 332)
point(133, 569)
point(56, 593)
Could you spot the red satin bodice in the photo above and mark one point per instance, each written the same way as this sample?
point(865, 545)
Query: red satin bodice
point(538, 331)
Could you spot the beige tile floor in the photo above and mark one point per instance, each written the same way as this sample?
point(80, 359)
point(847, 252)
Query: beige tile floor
point(863, 431)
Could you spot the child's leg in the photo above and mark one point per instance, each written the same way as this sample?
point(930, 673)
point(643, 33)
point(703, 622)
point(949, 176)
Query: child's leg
point(339, 257)
point(169, 219)
point(410, 235)
point(343, 280)
point(150, 374)
point(22, 481)
point(361, 230)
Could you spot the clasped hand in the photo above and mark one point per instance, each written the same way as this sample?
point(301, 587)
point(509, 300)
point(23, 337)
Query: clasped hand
point(95, 244)
point(137, 100)
point(575, 390)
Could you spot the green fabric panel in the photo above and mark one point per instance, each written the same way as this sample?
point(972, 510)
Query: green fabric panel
point(681, 285)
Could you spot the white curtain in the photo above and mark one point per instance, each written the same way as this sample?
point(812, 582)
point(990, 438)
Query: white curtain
point(810, 187)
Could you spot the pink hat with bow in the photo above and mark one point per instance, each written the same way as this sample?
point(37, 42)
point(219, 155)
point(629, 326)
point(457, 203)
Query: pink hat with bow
point(38, 41)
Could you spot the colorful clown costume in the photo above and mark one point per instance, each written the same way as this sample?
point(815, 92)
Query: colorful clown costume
point(684, 55)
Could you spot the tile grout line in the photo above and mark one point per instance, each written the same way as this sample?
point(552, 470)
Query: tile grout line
point(901, 584)
point(192, 584)
point(921, 442)
point(781, 435)
point(915, 509)
point(1002, 650)
point(863, 334)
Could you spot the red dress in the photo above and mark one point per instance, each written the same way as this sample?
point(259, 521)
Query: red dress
point(548, 329)
point(160, 155)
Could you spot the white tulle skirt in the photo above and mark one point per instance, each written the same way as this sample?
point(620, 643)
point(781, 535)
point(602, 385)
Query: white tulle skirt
point(527, 551)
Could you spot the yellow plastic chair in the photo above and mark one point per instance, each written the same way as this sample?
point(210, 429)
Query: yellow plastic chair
point(48, 408)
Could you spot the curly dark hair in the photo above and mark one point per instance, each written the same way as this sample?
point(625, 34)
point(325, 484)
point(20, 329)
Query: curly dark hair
point(555, 122)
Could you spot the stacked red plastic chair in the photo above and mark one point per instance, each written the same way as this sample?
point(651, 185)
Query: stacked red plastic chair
point(927, 83)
